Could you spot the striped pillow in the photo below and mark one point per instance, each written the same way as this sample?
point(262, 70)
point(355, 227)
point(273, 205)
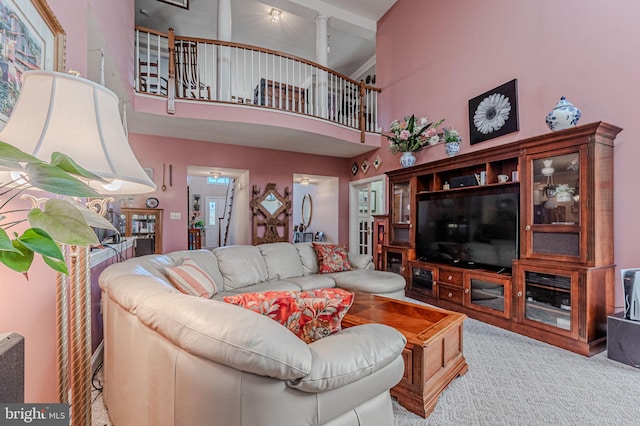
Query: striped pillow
point(189, 278)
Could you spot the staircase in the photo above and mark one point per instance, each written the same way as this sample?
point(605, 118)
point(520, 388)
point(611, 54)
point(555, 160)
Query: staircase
point(228, 207)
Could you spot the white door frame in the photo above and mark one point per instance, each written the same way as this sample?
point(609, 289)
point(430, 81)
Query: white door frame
point(353, 205)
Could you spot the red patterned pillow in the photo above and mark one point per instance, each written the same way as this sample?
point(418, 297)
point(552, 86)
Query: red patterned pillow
point(332, 258)
point(310, 315)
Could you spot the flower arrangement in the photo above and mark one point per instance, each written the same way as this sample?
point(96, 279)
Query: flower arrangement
point(451, 135)
point(411, 134)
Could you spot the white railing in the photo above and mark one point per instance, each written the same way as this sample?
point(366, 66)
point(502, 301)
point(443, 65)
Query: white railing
point(207, 70)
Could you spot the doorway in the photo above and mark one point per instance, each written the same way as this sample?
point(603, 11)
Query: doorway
point(214, 213)
point(367, 199)
point(214, 186)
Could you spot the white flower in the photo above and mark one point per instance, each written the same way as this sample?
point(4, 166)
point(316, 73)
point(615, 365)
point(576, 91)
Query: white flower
point(434, 140)
point(492, 113)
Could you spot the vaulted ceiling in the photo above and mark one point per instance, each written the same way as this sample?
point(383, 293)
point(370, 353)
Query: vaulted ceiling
point(351, 27)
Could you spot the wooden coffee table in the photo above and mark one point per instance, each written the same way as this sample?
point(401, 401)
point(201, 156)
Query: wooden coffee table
point(433, 354)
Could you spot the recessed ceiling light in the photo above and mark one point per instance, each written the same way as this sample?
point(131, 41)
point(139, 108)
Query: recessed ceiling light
point(143, 12)
point(276, 14)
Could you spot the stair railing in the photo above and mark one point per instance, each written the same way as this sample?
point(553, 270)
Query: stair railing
point(217, 71)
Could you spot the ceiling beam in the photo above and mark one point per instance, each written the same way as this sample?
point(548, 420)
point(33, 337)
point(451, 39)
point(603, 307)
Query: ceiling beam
point(335, 12)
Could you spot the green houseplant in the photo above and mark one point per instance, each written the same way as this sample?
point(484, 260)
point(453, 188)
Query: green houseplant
point(60, 221)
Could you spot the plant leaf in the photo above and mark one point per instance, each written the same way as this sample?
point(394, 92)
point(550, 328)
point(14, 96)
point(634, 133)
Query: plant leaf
point(11, 153)
point(64, 162)
point(39, 241)
point(92, 218)
point(57, 265)
point(63, 222)
point(5, 242)
point(20, 261)
point(57, 181)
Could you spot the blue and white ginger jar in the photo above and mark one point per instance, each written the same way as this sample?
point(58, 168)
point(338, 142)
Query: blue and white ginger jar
point(563, 116)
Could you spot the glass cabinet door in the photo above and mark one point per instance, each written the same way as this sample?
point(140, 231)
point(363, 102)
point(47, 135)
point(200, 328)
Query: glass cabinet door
point(488, 294)
point(548, 297)
point(422, 279)
point(401, 213)
point(554, 223)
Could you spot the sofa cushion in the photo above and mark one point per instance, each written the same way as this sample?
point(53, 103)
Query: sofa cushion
point(310, 315)
point(205, 259)
point(189, 278)
point(308, 258)
point(241, 266)
point(311, 282)
point(361, 261)
point(226, 334)
point(332, 258)
point(350, 355)
point(369, 280)
point(282, 260)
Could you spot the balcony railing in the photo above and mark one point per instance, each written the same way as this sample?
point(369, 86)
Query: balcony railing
point(215, 71)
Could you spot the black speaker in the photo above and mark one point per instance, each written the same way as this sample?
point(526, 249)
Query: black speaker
point(623, 340)
point(11, 368)
point(460, 181)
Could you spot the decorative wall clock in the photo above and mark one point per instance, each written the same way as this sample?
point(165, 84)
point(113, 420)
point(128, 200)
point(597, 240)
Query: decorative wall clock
point(494, 113)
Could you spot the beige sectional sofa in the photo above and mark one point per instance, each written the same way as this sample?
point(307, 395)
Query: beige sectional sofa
point(177, 359)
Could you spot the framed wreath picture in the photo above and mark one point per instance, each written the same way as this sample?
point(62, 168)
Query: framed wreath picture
point(494, 113)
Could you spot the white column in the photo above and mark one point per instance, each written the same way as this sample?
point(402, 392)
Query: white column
point(321, 58)
point(321, 39)
point(224, 56)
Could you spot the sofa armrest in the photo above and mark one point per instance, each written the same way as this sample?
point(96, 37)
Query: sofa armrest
point(348, 356)
point(227, 334)
point(361, 261)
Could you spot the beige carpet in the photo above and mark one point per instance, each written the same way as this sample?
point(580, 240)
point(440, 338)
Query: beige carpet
point(514, 380)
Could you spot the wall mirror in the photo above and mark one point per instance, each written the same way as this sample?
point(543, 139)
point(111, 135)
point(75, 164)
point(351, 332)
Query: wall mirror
point(307, 209)
point(271, 212)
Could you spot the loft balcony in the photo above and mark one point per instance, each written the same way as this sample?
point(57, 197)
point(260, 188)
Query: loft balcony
point(240, 94)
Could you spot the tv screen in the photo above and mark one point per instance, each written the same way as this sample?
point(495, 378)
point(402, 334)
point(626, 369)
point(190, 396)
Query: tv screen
point(469, 230)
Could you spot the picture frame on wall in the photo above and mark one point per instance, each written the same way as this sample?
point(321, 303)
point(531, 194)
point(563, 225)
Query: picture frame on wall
point(39, 38)
point(494, 113)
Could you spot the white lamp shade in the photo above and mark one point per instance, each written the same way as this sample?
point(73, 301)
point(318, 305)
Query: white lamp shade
point(59, 112)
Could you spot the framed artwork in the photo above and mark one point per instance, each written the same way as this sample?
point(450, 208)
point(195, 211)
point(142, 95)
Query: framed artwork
point(180, 3)
point(354, 168)
point(36, 43)
point(365, 167)
point(494, 113)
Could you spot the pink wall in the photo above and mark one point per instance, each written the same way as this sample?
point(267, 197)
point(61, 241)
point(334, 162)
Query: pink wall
point(264, 165)
point(28, 307)
point(432, 57)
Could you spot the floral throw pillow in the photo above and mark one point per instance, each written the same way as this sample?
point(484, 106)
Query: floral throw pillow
point(332, 258)
point(310, 315)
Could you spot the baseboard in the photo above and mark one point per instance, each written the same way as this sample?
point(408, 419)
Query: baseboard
point(97, 357)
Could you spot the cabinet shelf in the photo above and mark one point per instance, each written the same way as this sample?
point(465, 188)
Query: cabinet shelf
point(562, 286)
point(146, 226)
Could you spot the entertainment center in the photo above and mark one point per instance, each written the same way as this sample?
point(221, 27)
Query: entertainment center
point(532, 253)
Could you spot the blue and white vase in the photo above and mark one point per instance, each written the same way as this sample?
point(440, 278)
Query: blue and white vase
point(451, 148)
point(563, 116)
point(407, 159)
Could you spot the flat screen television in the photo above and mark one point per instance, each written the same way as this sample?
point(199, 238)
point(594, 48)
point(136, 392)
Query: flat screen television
point(478, 229)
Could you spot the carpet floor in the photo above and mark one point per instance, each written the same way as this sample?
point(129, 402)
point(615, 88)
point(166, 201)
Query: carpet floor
point(515, 380)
